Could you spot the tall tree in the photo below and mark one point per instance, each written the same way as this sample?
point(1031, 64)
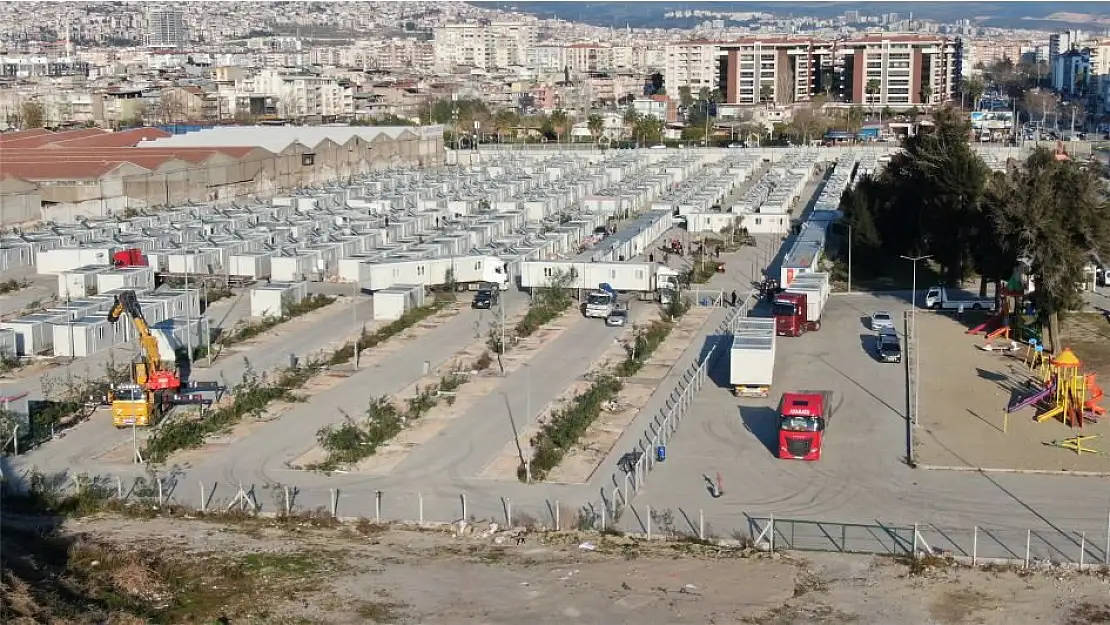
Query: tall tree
point(1055, 214)
point(32, 114)
point(595, 124)
point(685, 97)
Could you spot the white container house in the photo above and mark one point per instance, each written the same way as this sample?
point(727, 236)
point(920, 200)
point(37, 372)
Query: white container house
point(271, 300)
point(391, 303)
point(34, 333)
point(84, 337)
point(138, 279)
point(8, 350)
point(79, 282)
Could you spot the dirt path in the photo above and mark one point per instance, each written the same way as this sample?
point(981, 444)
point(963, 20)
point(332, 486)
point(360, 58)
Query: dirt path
point(180, 570)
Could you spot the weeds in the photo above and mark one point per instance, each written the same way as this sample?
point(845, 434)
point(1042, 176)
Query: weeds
point(548, 303)
point(566, 425)
point(367, 340)
point(11, 286)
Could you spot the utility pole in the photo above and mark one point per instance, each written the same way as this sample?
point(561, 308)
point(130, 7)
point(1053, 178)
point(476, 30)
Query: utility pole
point(916, 341)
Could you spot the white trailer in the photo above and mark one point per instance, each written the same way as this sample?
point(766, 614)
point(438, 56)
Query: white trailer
point(752, 357)
point(816, 297)
point(393, 302)
point(819, 280)
point(634, 277)
point(433, 272)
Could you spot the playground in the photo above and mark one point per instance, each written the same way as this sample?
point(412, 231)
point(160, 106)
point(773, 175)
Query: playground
point(993, 398)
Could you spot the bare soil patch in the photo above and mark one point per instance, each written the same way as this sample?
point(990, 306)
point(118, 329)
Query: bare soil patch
point(125, 570)
point(965, 391)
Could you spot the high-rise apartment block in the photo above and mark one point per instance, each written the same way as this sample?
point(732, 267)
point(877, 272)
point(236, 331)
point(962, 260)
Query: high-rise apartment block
point(166, 28)
point(882, 69)
point(484, 45)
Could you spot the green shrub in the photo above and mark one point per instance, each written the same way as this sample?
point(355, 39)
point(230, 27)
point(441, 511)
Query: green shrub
point(292, 311)
point(566, 425)
point(410, 318)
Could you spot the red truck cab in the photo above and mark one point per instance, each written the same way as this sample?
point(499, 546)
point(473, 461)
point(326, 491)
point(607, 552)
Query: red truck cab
point(790, 314)
point(131, 257)
point(803, 418)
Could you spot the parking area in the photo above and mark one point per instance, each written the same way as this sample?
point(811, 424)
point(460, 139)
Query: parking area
point(736, 439)
point(964, 393)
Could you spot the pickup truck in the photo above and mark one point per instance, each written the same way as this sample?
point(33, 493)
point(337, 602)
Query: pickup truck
point(938, 298)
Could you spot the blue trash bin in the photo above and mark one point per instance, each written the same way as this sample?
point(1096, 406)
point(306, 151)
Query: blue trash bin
point(661, 453)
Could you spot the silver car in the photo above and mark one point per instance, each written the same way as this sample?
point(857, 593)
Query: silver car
point(617, 318)
point(881, 319)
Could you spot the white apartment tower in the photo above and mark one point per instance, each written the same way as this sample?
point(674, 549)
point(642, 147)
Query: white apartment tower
point(165, 28)
point(693, 64)
point(484, 45)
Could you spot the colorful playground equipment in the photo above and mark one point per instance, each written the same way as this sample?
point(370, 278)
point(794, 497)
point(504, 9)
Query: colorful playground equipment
point(1008, 324)
point(1065, 392)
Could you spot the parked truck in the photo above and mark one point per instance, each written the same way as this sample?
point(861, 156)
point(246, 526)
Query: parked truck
point(803, 418)
point(752, 357)
point(799, 308)
point(938, 298)
point(601, 302)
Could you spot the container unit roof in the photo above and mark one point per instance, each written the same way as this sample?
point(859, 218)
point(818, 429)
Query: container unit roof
point(753, 342)
point(806, 248)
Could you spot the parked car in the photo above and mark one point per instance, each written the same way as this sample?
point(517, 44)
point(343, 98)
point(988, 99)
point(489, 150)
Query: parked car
point(617, 318)
point(881, 319)
point(485, 299)
point(889, 346)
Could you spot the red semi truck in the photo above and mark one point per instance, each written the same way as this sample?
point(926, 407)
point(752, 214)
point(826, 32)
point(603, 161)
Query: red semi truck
point(799, 308)
point(803, 419)
point(130, 257)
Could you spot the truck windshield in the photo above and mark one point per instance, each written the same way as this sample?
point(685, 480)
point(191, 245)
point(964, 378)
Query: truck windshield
point(595, 299)
point(783, 310)
point(129, 394)
point(800, 424)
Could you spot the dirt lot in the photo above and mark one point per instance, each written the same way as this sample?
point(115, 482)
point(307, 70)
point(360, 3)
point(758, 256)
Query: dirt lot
point(964, 391)
point(126, 570)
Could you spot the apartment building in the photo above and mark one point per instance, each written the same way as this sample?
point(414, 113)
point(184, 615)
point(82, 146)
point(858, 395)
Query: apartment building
point(884, 69)
point(301, 94)
point(779, 70)
point(693, 64)
point(661, 107)
point(1071, 72)
point(166, 28)
point(484, 45)
point(41, 66)
point(897, 70)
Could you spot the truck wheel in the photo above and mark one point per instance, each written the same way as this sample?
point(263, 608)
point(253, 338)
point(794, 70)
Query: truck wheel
point(976, 306)
point(935, 306)
point(817, 325)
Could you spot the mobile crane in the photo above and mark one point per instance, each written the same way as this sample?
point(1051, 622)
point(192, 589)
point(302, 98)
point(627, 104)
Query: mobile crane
point(154, 387)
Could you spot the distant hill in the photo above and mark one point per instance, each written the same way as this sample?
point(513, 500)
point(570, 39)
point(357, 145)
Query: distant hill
point(1044, 15)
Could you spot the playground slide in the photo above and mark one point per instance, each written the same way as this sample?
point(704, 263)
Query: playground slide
point(1095, 397)
point(1033, 399)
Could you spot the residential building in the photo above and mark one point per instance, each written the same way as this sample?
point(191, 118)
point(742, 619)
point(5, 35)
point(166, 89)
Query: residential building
point(1059, 43)
point(693, 64)
point(302, 94)
point(165, 28)
point(1071, 72)
point(660, 107)
point(484, 45)
point(781, 70)
point(898, 70)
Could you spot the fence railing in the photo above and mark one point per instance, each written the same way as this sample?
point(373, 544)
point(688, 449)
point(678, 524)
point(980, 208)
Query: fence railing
point(976, 545)
point(910, 364)
point(626, 485)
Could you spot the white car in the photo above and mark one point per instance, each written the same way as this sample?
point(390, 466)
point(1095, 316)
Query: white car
point(658, 146)
point(881, 319)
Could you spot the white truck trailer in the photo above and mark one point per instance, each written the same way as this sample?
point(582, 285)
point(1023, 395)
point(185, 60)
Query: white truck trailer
point(622, 277)
point(752, 357)
point(433, 272)
point(938, 298)
point(816, 288)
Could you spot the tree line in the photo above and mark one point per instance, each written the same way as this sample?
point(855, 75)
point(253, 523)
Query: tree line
point(937, 197)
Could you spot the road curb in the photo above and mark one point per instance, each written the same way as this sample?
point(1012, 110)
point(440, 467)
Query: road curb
point(1059, 472)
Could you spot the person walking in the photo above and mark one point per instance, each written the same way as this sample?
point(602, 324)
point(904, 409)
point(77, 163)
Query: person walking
point(734, 299)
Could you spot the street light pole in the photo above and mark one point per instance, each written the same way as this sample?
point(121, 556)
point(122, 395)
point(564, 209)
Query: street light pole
point(916, 341)
point(850, 258)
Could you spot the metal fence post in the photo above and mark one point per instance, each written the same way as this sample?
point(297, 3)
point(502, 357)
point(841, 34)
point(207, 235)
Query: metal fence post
point(203, 499)
point(420, 508)
point(647, 519)
point(1028, 538)
point(557, 525)
point(508, 513)
point(377, 506)
point(975, 545)
point(1082, 548)
point(772, 532)
point(701, 524)
point(603, 515)
point(462, 497)
point(288, 502)
point(159, 491)
point(119, 490)
point(914, 553)
point(334, 494)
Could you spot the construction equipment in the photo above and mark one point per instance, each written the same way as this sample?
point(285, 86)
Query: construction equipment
point(154, 387)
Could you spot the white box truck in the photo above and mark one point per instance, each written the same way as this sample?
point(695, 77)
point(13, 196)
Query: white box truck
point(752, 358)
